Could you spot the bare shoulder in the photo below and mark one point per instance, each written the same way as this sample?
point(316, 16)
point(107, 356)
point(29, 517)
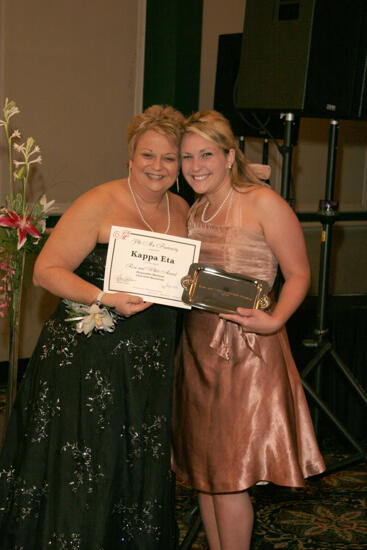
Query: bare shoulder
point(260, 194)
point(265, 200)
point(104, 193)
point(96, 200)
point(264, 211)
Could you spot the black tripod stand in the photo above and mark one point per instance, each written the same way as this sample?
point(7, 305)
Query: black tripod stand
point(328, 212)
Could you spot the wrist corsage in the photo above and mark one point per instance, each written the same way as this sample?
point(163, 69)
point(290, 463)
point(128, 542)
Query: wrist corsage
point(94, 317)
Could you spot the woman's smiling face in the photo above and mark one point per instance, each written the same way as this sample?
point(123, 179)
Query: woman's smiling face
point(205, 165)
point(155, 162)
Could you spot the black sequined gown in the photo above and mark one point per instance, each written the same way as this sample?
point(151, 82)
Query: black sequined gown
point(86, 463)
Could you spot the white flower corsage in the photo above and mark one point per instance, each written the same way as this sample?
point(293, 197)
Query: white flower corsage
point(88, 318)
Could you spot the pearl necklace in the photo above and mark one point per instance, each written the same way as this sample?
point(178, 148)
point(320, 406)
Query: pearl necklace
point(140, 212)
point(219, 209)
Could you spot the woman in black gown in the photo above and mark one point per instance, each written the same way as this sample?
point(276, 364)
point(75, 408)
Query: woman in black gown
point(86, 460)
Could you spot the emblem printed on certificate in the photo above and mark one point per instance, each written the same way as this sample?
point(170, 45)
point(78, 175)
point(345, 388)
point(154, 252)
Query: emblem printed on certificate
point(148, 264)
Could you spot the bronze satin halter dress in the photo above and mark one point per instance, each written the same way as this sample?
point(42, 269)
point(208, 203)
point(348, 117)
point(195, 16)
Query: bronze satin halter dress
point(240, 414)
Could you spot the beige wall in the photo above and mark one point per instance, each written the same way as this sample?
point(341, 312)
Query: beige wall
point(71, 67)
point(75, 70)
point(349, 255)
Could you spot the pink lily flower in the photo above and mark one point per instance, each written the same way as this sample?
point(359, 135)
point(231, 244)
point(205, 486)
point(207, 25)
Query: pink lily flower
point(22, 223)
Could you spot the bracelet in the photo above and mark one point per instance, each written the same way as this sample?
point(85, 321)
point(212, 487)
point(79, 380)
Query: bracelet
point(99, 298)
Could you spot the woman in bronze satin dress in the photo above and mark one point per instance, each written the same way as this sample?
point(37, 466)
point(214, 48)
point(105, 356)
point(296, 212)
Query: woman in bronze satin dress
point(240, 413)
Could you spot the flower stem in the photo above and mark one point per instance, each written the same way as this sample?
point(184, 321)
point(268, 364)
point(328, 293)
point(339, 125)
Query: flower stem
point(15, 307)
point(10, 164)
point(25, 180)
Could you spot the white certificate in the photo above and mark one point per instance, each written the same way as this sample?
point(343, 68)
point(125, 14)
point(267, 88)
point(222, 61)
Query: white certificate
point(148, 264)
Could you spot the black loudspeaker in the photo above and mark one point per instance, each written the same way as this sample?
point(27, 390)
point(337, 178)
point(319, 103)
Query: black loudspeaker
point(228, 61)
point(308, 57)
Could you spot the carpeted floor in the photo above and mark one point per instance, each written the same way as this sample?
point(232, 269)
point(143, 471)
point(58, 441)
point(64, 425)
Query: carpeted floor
point(330, 513)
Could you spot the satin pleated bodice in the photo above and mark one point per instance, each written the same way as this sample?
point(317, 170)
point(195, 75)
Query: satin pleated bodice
point(232, 247)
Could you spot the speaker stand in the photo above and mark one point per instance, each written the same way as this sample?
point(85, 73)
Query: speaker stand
point(194, 529)
point(265, 153)
point(328, 211)
point(287, 150)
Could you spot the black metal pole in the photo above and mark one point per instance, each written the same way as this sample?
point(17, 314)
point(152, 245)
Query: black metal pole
point(331, 162)
point(287, 154)
point(328, 210)
point(265, 158)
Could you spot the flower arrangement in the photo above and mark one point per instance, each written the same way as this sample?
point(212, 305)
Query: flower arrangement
point(94, 317)
point(23, 223)
point(22, 230)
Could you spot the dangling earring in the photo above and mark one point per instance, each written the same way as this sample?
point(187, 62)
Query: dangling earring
point(178, 184)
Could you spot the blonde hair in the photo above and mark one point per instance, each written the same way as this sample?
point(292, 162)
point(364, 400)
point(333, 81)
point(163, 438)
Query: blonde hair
point(163, 119)
point(213, 126)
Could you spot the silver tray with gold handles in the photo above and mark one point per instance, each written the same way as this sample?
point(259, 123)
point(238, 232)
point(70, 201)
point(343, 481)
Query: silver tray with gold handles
point(213, 289)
